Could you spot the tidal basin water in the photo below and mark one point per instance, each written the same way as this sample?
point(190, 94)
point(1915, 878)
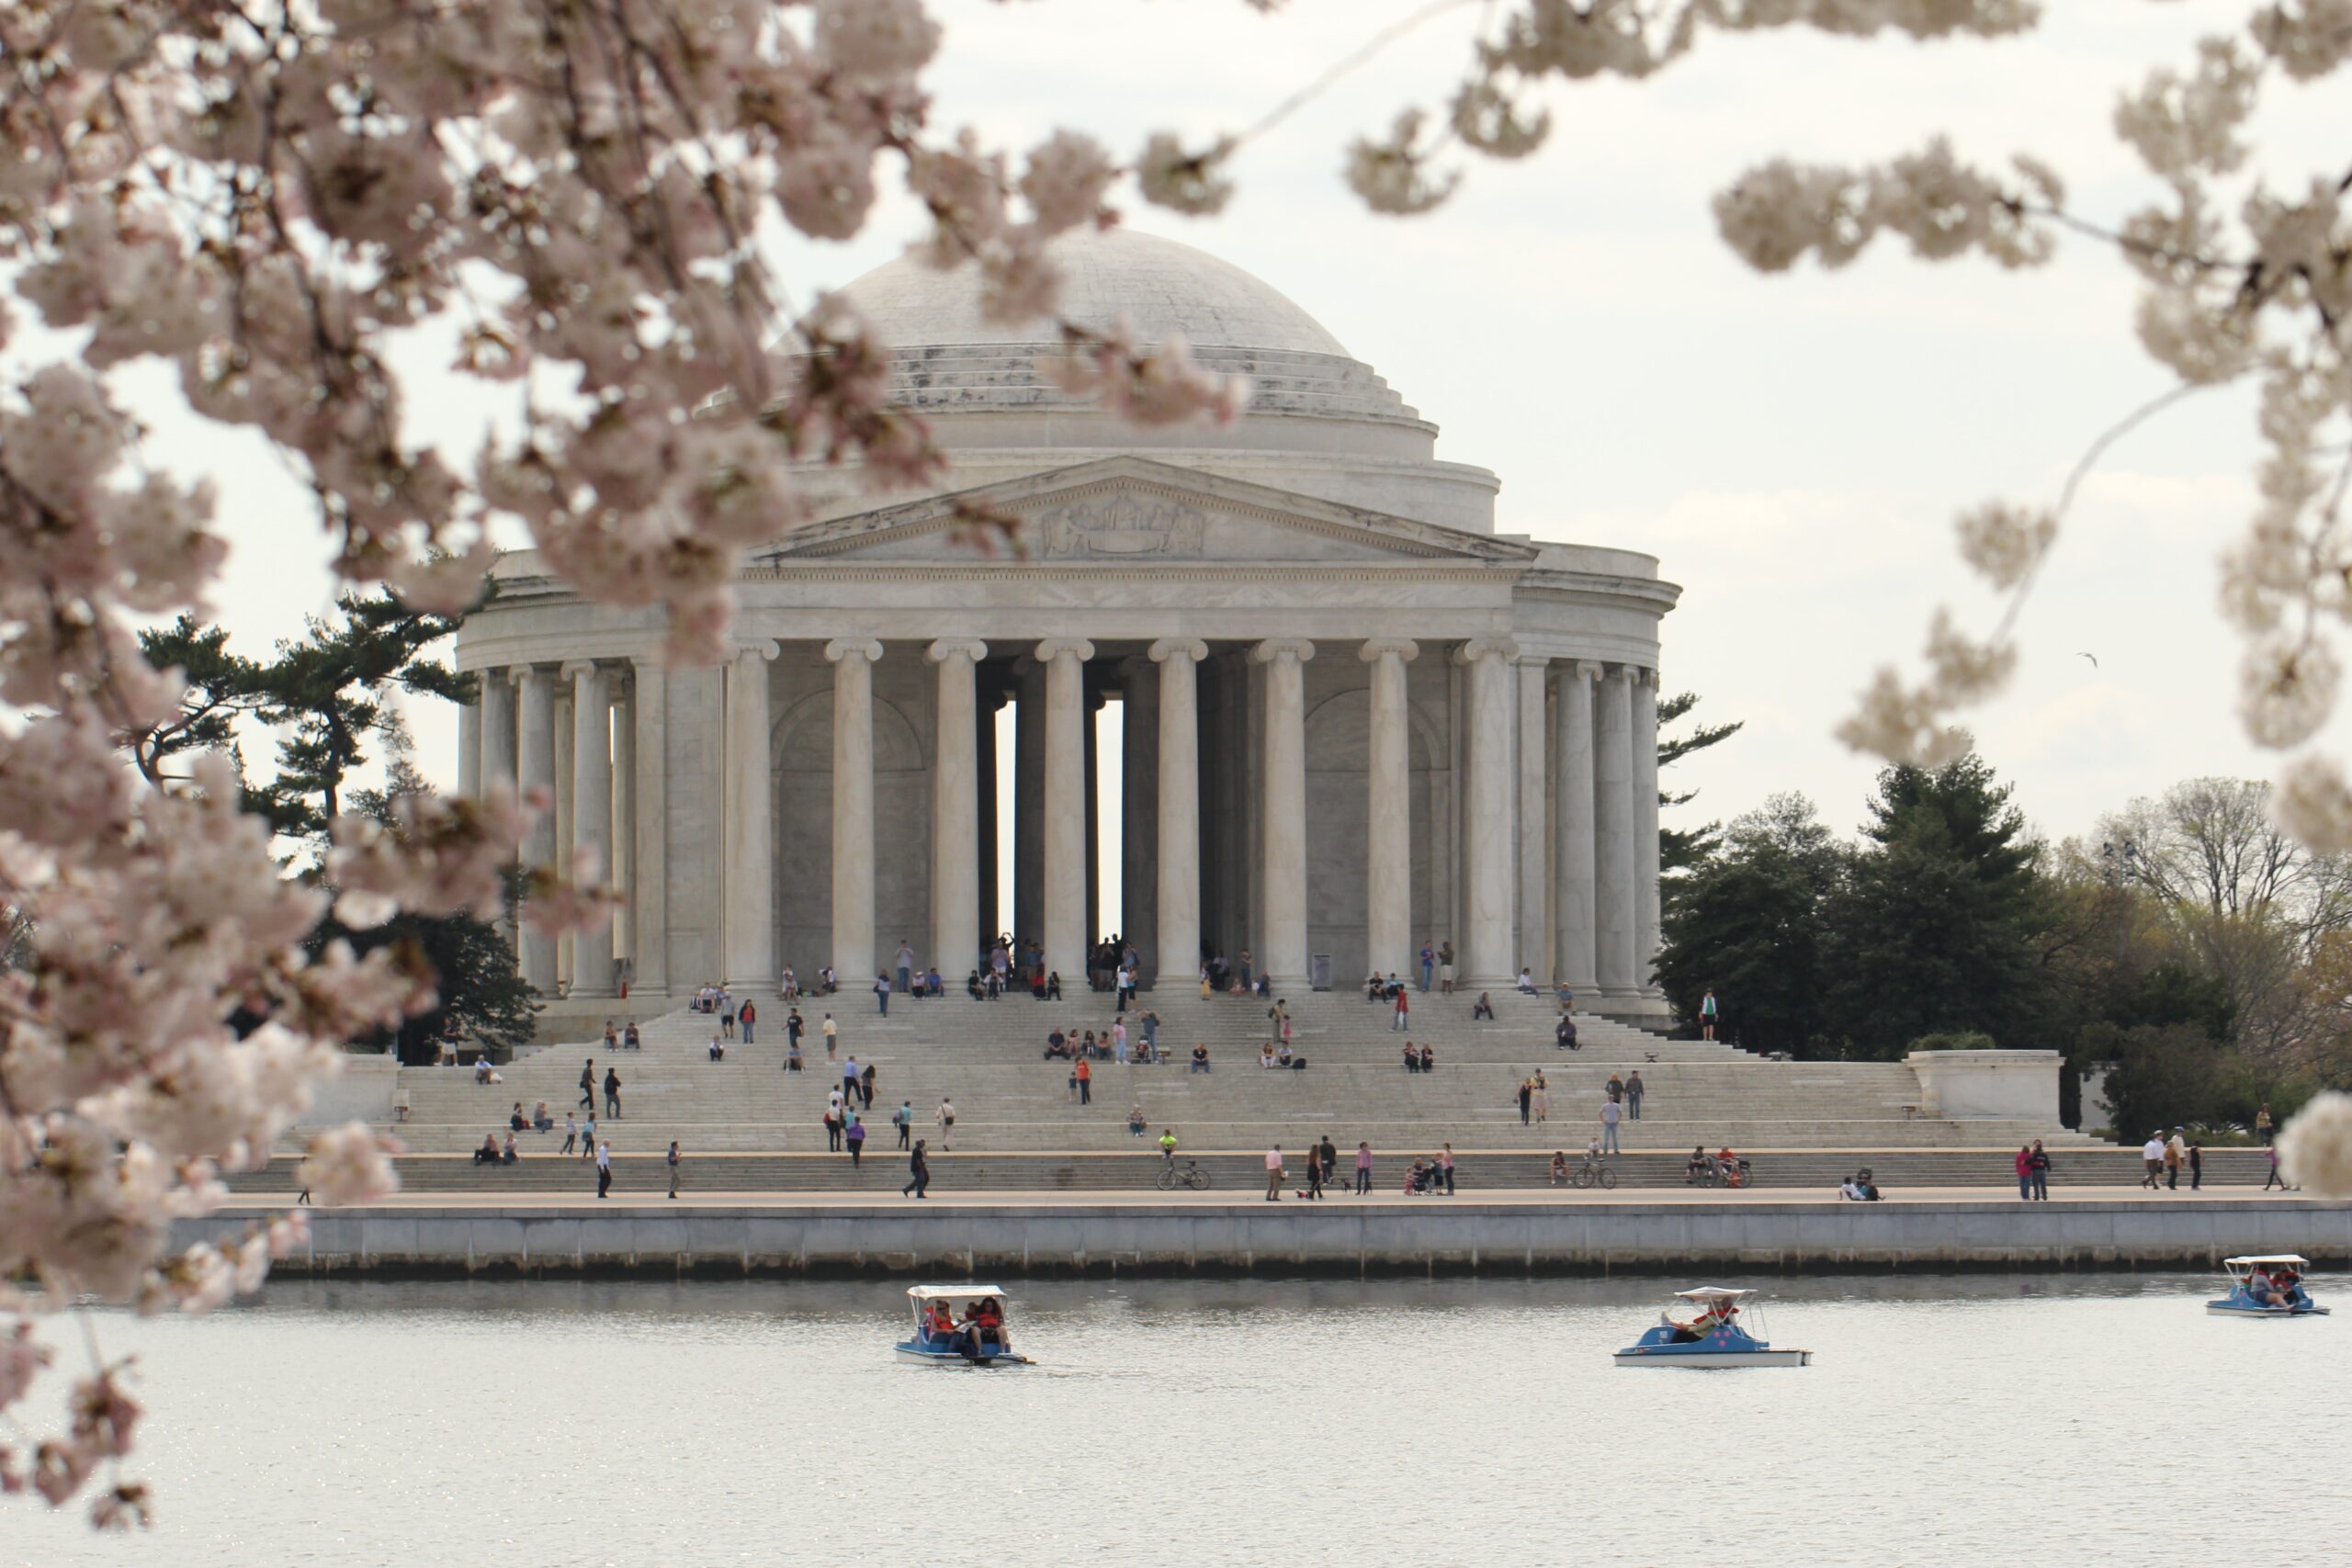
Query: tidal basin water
point(1951, 1421)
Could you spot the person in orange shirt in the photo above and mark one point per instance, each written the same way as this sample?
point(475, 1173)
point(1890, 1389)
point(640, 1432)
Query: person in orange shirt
point(1085, 1082)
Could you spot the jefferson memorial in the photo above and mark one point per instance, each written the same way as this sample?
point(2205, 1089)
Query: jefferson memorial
point(1355, 717)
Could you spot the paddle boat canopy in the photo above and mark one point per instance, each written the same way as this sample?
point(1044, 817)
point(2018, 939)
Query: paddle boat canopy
point(2266, 1285)
point(959, 1326)
point(1716, 1335)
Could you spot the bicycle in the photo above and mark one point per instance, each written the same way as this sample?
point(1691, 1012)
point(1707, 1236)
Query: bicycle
point(1591, 1172)
point(1191, 1175)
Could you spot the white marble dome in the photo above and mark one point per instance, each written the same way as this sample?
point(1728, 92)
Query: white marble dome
point(1160, 285)
point(1320, 421)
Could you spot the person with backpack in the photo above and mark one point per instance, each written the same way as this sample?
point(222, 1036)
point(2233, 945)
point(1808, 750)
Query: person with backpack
point(903, 1119)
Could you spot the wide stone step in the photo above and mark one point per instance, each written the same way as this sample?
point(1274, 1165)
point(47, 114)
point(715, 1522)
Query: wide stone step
point(882, 1172)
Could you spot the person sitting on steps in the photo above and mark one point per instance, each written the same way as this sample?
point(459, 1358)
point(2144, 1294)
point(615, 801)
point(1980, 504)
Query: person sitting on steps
point(1428, 1060)
point(1484, 1007)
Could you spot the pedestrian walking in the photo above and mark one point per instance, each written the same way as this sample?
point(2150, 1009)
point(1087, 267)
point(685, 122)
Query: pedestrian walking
point(1707, 1015)
point(882, 993)
point(1328, 1157)
point(1429, 964)
point(1085, 1082)
point(1634, 1096)
point(1542, 1097)
point(1610, 1112)
point(1526, 1101)
point(2262, 1128)
point(2195, 1165)
point(1275, 1173)
point(612, 1093)
point(1363, 1169)
point(2024, 1166)
point(570, 1133)
point(2040, 1173)
point(906, 966)
point(749, 1015)
point(588, 1084)
point(1402, 1016)
point(674, 1168)
point(588, 1144)
point(2175, 1155)
point(604, 1168)
point(1314, 1177)
point(903, 1119)
point(946, 1117)
point(2273, 1179)
point(856, 1138)
point(726, 1022)
point(2151, 1157)
point(1445, 1167)
point(917, 1172)
point(833, 1034)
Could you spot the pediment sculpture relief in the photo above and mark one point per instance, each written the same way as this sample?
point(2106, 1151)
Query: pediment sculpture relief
point(1125, 524)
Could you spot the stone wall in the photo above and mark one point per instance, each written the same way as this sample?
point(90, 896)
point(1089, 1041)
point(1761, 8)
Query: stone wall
point(1462, 1237)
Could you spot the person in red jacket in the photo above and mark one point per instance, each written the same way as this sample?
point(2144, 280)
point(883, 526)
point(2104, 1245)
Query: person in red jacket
point(2025, 1172)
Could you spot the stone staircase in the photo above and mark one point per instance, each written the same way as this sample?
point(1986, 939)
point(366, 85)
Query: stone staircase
point(987, 1057)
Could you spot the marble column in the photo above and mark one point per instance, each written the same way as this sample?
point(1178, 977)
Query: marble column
point(853, 659)
point(1178, 937)
point(624, 826)
point(1572, 854)
point(498, 747)
point(1484, 957)
point(1138, 816)
point(564, 783)
point(1534, 868)
point(1282, 952)
point(469, 744)
point(1028, 805)
point(1388, 840)
point(535, 771)
point(747, 855)
point(591, 814)
point(989, 919)
point(1614, 915)
point(497, 729)
point(955, 810)
point(1646, 897)
point(1064, 802)
point(649, 902)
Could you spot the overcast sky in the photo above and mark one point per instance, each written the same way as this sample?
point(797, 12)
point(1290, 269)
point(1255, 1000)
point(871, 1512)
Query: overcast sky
point(1792, 448)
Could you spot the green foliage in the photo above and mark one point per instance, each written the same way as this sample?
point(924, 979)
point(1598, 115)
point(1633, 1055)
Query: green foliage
point(1935, 928)
point(2173, 1075)
point(472, 961)
point(1679, 849)
point(327, 695)
point(1958, 1040)
point(1746, 921)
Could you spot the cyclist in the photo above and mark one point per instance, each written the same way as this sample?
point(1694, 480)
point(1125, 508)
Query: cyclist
point(1168, 1147)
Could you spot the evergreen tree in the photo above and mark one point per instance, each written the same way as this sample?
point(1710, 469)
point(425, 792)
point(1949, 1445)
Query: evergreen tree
point(1933, 928)
point(472, 962)
point(1745, 922)
point(1679, 849)
point(329, 695)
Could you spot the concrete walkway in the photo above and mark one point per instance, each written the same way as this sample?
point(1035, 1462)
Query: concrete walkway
point(1978, 1198)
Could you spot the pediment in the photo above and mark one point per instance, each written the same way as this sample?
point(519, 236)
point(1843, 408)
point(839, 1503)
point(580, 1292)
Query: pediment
point(1136, 512)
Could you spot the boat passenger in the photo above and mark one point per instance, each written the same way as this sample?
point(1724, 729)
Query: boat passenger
point(984, 1327)
point(939, 1323)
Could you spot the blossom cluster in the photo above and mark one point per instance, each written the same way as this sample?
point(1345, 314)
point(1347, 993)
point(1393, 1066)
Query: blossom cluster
point(262, 200)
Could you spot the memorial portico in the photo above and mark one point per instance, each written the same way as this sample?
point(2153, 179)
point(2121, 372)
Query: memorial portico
point(1356, 717)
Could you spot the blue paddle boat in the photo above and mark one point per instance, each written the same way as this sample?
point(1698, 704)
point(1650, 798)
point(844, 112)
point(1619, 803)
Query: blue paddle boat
point(1717, 1335)
point(2268, 1285)
point(978, 1338)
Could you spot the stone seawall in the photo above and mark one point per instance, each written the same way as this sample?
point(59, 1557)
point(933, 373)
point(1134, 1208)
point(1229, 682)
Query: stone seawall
point(1464, 1236)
